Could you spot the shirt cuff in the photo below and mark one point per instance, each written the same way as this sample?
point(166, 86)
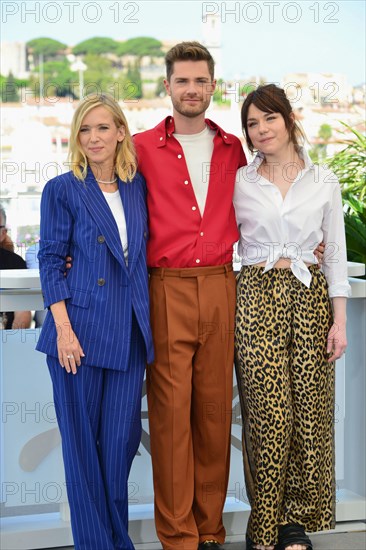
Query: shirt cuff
point(342, 288)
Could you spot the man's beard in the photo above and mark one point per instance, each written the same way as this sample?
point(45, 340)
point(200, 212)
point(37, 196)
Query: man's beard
point(191, 113)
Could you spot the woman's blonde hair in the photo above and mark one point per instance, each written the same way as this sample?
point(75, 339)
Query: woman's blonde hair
point(125, 159)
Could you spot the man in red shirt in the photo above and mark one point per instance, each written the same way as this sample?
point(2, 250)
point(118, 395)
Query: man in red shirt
point(190, 165)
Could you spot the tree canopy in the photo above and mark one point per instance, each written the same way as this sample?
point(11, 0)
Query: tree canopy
point(247, 89)
point(99, 73)
point(160, 90)
point(141, 46)
point(46, 46)
point(58, 78)
point(325, 132)
point(9, 90)
point(96, 46)
point(133, 83)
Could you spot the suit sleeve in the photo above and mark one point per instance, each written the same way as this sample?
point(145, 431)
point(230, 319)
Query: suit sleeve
point(56, 231)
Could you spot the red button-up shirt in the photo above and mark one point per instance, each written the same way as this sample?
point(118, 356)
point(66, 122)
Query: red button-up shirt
point(179, 235)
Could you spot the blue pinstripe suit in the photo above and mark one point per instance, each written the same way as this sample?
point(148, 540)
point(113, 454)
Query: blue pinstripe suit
point(98, 409)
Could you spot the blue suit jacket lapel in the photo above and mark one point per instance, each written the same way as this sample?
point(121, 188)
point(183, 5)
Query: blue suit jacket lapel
point(133, 221)
point(101, 213)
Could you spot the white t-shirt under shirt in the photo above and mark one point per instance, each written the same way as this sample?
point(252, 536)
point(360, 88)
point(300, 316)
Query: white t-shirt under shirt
point(115, 204)
point(198, 149)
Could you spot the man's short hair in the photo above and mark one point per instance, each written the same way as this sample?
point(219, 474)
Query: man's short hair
point(188, 51)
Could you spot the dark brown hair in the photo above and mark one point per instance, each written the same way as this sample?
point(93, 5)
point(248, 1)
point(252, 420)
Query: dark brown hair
point(272, 99)
point(188, 51)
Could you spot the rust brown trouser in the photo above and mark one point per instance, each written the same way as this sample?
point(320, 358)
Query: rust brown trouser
point(189, 389)
point(286, 387)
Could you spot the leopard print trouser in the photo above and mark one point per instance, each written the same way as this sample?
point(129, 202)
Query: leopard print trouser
point(286, 389)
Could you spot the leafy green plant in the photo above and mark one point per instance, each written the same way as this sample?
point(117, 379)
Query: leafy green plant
point(325, 132)
point(350, 167)
point(219, 95)
point(247, 88)
point(160, 90)
point(355, 224)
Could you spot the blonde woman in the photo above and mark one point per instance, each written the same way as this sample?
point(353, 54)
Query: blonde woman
point(290, 326)
point(96, 334)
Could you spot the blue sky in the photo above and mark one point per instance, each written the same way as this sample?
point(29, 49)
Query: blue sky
point(268, 38)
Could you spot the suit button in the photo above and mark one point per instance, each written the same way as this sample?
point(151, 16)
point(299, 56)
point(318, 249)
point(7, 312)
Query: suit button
point(101, 282)
point(145, 234)
point(101, 239)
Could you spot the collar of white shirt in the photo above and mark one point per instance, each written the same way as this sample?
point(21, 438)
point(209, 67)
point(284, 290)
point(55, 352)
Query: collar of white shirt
point(252, 168)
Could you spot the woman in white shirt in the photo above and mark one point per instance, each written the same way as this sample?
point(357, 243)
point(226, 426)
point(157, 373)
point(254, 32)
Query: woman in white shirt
point(287, 333)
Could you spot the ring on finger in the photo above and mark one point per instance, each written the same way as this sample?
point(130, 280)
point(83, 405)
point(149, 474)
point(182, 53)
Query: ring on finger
point(70, 356)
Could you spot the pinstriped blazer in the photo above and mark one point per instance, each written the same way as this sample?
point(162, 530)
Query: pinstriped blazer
point(100, 290)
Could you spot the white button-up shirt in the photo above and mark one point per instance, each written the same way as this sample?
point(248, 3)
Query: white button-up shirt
point(272, 227)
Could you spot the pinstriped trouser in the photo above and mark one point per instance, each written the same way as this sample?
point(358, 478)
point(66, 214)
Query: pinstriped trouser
point(99, 416)
point(286, 388)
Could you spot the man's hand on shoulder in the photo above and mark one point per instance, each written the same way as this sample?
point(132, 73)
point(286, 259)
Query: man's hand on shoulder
point(319, 253)
point(68, 264)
